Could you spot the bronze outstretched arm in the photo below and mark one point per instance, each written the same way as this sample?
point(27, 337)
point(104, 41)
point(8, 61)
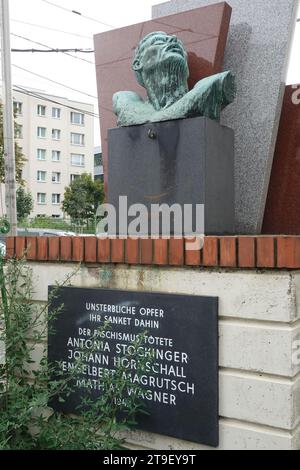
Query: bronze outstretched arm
point(207, 98)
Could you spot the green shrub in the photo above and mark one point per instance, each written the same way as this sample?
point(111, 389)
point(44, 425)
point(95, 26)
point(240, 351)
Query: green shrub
point(47, 222)
point(77, 226)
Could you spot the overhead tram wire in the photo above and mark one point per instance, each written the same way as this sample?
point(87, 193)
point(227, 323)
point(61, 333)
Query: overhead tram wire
point(53, 29)
point(34, 94)
point(63, 51)
point(53, 49)
point(27, 92)
point(78, 13)
point(54, 81)
point(42, 97)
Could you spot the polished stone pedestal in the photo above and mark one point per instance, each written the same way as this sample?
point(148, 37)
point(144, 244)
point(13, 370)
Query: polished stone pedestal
point(188, 161)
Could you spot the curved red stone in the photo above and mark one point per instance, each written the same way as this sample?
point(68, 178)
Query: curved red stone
point(282, 214)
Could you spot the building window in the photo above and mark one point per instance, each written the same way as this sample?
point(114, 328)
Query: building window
point(98, 159)
point(55, 199)
point(77, 118)
point(56, 133)
point(74, 177)
point(18, 107)
point(41, 198)
point(56, 216)
point(18, 131)
point(56, 113)
point(77, 159)
point(41, 176)
point(41, 132)
point(41, 154)
point(55, 177)
point(55, 155)
point(41, 110)
point(77, 139)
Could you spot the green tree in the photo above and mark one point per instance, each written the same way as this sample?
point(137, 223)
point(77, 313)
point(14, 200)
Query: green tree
point(19, 157)
point(24, 203)
point(82, 197)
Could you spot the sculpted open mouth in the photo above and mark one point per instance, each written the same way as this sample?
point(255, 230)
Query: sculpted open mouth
point(175, 48)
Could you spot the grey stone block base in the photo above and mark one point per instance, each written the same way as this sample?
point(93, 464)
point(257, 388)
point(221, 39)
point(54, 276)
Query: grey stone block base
point(188, 161)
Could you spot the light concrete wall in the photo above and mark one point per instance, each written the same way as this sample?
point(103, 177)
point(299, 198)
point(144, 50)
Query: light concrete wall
point(259, 325)
point(29, 120)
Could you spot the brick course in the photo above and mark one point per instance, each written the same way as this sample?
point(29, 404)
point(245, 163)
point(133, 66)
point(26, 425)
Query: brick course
point(279, 252)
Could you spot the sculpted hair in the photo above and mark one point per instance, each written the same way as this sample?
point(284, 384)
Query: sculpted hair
point(136, 64)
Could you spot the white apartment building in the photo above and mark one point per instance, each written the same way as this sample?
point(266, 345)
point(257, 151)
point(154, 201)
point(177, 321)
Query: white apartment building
point(98, 164)
point(57, 139)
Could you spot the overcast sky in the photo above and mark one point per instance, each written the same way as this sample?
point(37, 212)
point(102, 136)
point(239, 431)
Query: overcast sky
point(77, 73)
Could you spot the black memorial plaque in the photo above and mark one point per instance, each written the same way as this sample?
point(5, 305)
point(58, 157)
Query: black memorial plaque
point(182, 396)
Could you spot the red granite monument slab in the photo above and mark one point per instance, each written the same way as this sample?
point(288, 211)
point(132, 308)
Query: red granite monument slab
point(282, 214)
point(203, 32)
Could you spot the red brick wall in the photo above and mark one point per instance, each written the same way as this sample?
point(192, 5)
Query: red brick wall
point(273, 252)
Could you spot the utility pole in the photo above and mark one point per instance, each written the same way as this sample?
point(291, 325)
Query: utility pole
point(8, 120)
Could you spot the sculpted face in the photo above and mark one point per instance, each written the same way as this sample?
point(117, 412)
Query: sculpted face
point(159, 51)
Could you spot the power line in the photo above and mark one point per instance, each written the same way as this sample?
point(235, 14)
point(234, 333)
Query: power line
point(53, 29)
point(42, 97)
point(27, 92)
point(53, 81)
point(24, 91)
point(78, 13)
point(51, 48)
point(64, 51)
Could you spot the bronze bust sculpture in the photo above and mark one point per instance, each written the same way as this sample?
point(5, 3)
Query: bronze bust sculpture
point(160, 65)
